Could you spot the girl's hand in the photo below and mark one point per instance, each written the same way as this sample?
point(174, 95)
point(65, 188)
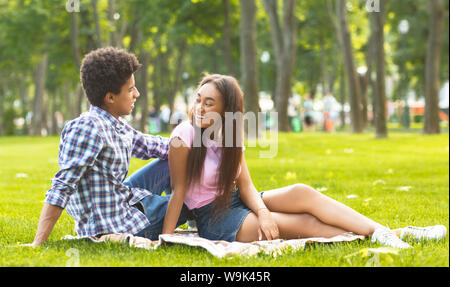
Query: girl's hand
point(267, 225)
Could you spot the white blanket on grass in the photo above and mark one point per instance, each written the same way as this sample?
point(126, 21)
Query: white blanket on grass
point(220, 248)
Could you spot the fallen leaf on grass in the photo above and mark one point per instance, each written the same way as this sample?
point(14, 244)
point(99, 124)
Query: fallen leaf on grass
point(321, 189)
point(379, 181)
point(369, 251)
point(21, 175)
point(389, 171)
point(290, 175)
point(404, 188)
point(352, 196)
point(348, 150)
point(374, 254)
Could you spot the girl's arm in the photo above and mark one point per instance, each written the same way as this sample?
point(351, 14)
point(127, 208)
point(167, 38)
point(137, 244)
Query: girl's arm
point(178, 155)
point(253, 200)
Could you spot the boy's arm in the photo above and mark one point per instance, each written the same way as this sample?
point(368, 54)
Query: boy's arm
point(78, 150)
point(49, 215)
point(149, 146)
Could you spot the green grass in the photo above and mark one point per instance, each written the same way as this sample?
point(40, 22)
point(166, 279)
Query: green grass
point(344, 164)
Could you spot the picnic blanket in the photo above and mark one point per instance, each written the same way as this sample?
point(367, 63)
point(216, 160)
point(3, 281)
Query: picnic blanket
point(219, 248)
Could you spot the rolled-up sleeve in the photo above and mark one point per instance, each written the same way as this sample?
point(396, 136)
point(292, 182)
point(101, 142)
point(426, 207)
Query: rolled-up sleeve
point(79, 147)
point(149, 146)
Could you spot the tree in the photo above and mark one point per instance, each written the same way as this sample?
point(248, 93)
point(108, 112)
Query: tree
point(249, 61)
point(316, 46)
point(98, 31)
point(284, 32)
point(432, 65)
point(352, 75)
point(227, 37)
point(40, 76)
point(377, 25)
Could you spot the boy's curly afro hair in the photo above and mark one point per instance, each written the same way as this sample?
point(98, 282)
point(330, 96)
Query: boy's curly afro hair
point(106, 70)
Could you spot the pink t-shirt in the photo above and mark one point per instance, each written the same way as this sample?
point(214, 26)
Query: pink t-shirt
point(205, 192)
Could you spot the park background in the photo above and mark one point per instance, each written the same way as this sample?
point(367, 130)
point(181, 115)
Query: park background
point(372, 75)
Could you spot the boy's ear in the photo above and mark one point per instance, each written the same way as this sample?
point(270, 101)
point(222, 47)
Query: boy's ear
point(109, 98)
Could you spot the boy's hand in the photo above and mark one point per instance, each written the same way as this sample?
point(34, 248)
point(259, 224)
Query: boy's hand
point(49, 215)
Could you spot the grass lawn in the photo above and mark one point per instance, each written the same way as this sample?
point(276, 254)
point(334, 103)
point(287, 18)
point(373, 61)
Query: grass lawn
point(364, 173)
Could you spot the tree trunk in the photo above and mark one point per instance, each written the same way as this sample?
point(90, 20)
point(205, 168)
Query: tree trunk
point(144, 90)
point(2, 91)
point(342, 92)
point(77, 59)
point(227, 38)
point(323, 67)
point(370, 84)
point(156, 85)
point(74, 39)
point(24, 105)
point(249, 61)
point(377, 24)
point(44, 114)
point(98, 32)
point(352, 75)
point(68, 101)
point(176, 85)
point(114, 37)
point(79, 96)
point(432, 66)
point(39, 78)
point(283, 40)
point(53, 110)
point(363, 85)
point(136, 34)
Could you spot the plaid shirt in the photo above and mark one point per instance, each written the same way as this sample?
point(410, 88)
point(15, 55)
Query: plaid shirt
point(94, 157)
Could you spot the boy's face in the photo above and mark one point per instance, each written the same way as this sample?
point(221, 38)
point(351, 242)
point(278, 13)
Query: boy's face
point(122, 104)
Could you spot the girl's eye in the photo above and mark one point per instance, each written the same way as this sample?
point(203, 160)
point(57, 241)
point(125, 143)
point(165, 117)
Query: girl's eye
point(197, 100)
point(208, 105)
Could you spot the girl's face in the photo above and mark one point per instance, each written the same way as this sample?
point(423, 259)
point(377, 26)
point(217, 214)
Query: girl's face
point(208, 106)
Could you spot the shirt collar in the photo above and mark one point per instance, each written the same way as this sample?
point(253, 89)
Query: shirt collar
point(117, 123)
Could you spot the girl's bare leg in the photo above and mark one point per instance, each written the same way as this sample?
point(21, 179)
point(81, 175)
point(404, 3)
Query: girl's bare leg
point(301, 198)
point(290, 226)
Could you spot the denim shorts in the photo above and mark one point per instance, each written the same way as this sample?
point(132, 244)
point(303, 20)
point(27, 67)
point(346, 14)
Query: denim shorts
point(154, 207)
point(226, 224)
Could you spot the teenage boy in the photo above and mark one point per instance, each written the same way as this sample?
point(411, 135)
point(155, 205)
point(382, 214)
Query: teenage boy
point(94, 157)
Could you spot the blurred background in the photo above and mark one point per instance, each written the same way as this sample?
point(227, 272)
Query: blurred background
point(323, 65)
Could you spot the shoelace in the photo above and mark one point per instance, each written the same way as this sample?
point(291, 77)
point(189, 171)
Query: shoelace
point(390, 238)
point(419, 232)
point(422, 232)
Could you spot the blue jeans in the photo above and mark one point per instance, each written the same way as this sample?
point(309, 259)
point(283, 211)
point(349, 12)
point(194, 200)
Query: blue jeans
point(155, 177)
point(223, 225)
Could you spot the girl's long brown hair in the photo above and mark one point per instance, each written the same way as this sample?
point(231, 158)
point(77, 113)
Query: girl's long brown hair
point(231, 93)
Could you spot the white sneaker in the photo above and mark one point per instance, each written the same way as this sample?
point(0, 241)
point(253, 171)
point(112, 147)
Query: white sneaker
point(424, 233)
point(388, 238)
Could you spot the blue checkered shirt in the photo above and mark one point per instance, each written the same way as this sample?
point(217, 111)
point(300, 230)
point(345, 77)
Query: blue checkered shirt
point(94, 157)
